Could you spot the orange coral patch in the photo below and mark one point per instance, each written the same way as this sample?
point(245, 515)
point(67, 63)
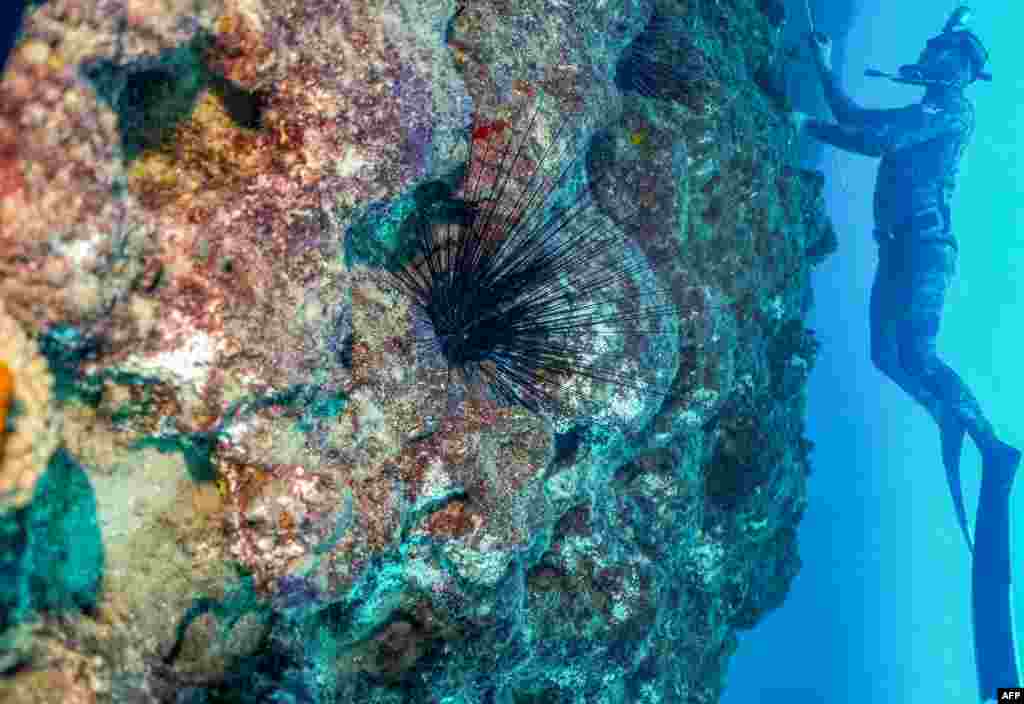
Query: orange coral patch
point(6, 395)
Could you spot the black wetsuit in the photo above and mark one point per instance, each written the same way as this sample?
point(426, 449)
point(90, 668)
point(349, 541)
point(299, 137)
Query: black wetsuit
point(920, 146)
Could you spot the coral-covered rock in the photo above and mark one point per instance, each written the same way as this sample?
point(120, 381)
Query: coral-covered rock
point(30, 431)
point(197, 202)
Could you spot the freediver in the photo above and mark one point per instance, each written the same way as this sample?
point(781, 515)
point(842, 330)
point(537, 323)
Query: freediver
point(920, 146)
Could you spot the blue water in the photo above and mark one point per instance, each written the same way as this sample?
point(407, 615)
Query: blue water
point(880, 613)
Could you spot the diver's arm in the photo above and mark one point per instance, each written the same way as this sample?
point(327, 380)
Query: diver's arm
point(842, 105)
point(889, 130)
point(847, 137)
point(844, 108)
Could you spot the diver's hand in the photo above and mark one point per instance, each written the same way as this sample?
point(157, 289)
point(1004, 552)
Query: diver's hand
point(797, 120)
point(822, 46)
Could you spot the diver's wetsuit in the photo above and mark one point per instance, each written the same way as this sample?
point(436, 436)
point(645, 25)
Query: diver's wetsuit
point(921, 146)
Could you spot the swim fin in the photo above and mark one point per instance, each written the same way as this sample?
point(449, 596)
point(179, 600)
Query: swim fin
point(952, 448)
point(995, 650)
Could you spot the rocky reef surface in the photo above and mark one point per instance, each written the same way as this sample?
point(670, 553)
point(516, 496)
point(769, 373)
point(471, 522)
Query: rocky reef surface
point(251, 488)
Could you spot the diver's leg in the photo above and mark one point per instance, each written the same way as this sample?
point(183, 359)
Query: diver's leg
point(930, 268)
point(891, 293)
point(999, 459)
point(890, 296)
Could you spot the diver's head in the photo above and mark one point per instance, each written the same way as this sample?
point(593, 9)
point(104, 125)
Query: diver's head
point(953, 58)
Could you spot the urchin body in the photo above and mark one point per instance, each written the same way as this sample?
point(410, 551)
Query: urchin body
point(518, 291)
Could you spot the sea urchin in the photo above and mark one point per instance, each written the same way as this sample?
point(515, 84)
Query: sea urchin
point(520, 283)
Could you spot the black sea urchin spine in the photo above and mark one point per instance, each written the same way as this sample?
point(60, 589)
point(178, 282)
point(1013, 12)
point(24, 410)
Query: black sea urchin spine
point(518, 294)
point(665, 62)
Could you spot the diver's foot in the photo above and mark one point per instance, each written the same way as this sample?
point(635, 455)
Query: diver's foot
point(999, 464)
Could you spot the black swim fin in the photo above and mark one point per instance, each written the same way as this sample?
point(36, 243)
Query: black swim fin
point(952, 448)
point(995, 649)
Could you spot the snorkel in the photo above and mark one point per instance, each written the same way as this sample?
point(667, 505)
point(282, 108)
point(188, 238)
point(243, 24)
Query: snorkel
point(954, 33)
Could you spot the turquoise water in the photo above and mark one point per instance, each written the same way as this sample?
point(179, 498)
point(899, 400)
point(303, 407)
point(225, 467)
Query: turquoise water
point(883, 599)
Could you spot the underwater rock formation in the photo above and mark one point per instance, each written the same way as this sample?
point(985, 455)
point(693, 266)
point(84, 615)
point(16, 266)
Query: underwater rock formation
point(198, 201)
point(29, 425)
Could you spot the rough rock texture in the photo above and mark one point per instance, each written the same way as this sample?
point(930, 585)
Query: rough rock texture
point(195, 201)
point(26, 402)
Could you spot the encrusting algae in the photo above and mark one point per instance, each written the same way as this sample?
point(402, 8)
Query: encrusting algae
point(29, 431)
